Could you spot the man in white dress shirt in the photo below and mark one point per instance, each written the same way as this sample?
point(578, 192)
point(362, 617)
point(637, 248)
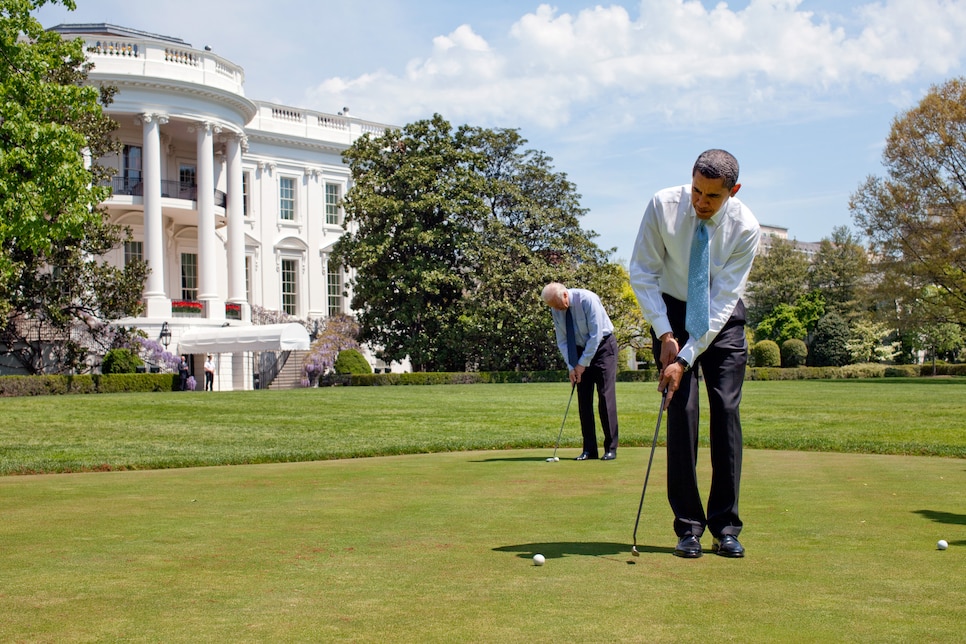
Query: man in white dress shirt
point(659, 272)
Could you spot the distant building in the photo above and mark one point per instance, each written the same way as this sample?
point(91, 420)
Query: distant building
point(232, 202)
point(770, 233)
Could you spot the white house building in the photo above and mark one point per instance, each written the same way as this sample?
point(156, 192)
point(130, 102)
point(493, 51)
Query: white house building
point(232, 202)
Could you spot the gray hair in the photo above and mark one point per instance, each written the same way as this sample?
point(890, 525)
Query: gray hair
point(718, 164)
point(551, 292)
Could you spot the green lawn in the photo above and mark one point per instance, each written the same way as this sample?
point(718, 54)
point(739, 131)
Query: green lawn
point(138, 431)
point(437, 547)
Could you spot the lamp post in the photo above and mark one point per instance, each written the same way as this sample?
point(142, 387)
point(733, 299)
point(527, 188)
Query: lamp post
point(165, 335)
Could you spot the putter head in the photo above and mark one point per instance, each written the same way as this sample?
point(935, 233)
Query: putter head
point(634, 551)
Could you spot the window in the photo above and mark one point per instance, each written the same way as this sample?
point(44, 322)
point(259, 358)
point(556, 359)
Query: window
point(332, 204)
point(189, 276)
point(187, 182)
point(286, 198)
point(335, 290)
point(133, 251)
point(246, 186)
point(131, 170)
point(290, 286)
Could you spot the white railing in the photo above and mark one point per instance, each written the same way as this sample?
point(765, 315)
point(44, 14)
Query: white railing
point(165, 60)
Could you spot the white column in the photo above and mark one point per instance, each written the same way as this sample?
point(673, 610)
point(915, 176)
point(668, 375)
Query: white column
point(207, 264)
point(236, 228)
point(156, 302)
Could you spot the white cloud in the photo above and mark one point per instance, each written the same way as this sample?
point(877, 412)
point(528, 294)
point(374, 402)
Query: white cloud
point(676, 61)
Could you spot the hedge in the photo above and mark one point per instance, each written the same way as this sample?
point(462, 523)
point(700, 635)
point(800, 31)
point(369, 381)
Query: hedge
point(149, 382)
point(87, 384)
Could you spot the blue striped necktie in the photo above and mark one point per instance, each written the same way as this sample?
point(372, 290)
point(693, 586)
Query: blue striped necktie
point(699, 282)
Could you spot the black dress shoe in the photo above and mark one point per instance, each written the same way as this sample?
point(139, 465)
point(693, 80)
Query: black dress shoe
point(688, 547)
point(728, 546)
point(585, 456)
point(609, 456)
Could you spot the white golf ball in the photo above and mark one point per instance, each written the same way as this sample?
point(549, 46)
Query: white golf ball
point(556, 459)
point(539, 560)
point(941, 544)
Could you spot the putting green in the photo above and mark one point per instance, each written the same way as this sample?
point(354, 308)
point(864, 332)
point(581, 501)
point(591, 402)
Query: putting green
point(439, 547)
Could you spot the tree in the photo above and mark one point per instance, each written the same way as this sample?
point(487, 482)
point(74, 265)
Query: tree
point(792, 322)
point(867, 342)
point(55, 294)
point(777, 277)
point(839, 271)
point(410, 218)
point(452, 234)
point(915, 218)
point(830, 345)
point(781, 325)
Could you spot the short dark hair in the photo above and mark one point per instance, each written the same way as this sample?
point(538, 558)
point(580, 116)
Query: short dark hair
point(718, 164)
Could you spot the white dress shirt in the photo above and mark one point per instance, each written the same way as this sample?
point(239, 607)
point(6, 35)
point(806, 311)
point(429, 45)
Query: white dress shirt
point(659, 262)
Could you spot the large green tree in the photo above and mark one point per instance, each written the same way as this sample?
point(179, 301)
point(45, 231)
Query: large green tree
point(452, 234)
point(56, 294)
point(778, 276)
point(839, 271)
point(915, 217)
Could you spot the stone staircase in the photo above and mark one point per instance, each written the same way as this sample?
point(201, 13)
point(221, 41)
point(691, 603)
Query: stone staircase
point(290, 377)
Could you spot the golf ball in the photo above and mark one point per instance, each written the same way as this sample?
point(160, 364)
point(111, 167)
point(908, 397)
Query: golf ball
point(941, 544)
point(556, 459)
point(539, 560)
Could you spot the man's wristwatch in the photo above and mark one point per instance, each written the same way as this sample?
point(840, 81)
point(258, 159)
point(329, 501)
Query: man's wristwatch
point(683, 363)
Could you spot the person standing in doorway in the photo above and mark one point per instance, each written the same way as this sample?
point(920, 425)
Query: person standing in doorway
point(209, 374)
point(585, 336)
point(183, 372)
point(689, 268)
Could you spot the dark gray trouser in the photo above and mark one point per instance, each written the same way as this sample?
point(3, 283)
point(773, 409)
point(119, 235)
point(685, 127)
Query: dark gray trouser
point(602, 374)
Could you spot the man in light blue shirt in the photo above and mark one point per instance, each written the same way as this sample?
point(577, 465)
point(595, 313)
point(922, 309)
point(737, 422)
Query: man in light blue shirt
point(591, 357)
point(661, 268)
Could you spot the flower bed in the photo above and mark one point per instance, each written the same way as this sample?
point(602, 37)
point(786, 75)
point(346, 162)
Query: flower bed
point(187, 309)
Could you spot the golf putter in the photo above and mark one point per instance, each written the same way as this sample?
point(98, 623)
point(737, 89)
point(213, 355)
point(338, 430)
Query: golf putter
point(554, 459)
point(657, 430)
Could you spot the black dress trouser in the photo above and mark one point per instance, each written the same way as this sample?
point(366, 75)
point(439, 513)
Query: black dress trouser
point(602, 374)
point(723, 369)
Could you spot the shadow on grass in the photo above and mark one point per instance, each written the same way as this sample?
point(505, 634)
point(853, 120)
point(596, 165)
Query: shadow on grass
point(943, 517)
point(560, 549)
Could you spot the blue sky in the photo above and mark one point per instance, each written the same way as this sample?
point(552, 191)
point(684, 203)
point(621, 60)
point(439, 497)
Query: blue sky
point(622, 95)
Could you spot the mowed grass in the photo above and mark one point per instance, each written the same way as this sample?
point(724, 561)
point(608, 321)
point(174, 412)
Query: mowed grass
point(437, 547)
point(147, 431)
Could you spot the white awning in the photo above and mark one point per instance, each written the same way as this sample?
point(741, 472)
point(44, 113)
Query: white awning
point(234, 339)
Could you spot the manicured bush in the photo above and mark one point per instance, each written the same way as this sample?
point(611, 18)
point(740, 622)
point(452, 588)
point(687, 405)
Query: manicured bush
point(766, 354)
point(830, 346)
point(131, 382)
point(120, 361)
point(350, 361)
point(46, 385)
point(794, 353)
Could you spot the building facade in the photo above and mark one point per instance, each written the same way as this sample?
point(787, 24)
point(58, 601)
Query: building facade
point(232, 202)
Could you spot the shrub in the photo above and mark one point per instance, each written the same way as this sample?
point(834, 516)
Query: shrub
point(794, 353)
point(766, 354)
point(120, 361)
point(350, 361)
point(830, 346)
